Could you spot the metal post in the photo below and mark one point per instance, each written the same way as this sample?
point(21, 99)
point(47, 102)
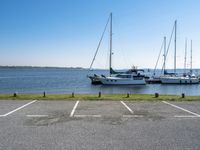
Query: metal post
point(185, 59)
point(183, 95)
point(44, 94)
point(175, 46)
point(110, 63)
point(164, 66)
point(99, 94)
point(127, 96)
point(191, 59)
point(15, 94)
point(156, 95)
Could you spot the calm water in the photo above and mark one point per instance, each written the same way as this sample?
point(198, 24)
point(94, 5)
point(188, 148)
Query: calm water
point(51, 80)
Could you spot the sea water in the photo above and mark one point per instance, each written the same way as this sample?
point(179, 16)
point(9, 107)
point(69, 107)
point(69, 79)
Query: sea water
point(65, 80)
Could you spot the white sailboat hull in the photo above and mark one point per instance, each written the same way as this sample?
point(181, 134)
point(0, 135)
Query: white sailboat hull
point(121, 81)
point(179, 80)
point(130, 77)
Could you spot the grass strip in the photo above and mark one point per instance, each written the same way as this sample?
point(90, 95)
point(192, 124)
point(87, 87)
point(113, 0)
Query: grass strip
point(95, 97)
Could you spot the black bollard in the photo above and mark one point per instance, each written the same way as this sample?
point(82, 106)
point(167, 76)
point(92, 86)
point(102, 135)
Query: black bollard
point(44, 94)
point(99, 94)
point(72, 94)
point(183, 95)
point(127, 96)
point(156, 95)
point(15, 94)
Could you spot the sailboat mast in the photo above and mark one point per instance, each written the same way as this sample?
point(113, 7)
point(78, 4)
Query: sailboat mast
point(175, 46)
point(164, 65)
point(110, 63)
point(191, 59)
point(185, 56)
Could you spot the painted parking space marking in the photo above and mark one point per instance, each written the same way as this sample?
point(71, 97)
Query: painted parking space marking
point(21, 107)
point(187, 116)
point(193, 113)
point(78, 111)
point(74, 108)
point(36, 115)
point(133, 116)
point(130, 110)
point(84, 116)
point(48, 108)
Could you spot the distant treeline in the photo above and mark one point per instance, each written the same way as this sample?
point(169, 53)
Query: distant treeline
point(41, 67)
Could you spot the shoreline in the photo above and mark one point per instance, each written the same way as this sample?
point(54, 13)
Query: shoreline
point(99, 97)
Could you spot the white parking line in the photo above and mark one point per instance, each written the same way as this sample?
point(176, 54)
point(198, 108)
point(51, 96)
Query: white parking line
point(36, 115)
point(18, 109)
point(127, 107)
point(195, 114)
point(186, 116)
point(83, 116)
point(132, 116)
point(74, 108)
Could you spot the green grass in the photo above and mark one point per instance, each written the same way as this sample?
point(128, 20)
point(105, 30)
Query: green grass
point(112, 97)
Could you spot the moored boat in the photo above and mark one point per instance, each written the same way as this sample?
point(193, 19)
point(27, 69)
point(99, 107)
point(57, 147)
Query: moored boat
point(179, 80)
point(95, 79)
point(132, 76)
point(173, 78)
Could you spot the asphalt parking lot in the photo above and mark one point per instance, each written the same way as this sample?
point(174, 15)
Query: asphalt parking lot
point(99, 125)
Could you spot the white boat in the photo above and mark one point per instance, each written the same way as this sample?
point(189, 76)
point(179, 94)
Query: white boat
point(131, 77)
point(124, 79)
point(155, 78)
point(173, 78)
point(179, 80)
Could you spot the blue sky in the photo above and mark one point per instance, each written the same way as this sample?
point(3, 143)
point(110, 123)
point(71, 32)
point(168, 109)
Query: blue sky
point(65, 33)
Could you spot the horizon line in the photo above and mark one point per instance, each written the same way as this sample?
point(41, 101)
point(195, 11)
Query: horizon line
point(13, 66)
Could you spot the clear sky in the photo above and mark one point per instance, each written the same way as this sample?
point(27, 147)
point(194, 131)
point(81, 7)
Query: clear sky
point(66, 33)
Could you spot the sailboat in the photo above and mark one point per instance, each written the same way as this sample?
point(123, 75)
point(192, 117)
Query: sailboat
point(131, 77)
point(173, 78)
point(156, 78)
